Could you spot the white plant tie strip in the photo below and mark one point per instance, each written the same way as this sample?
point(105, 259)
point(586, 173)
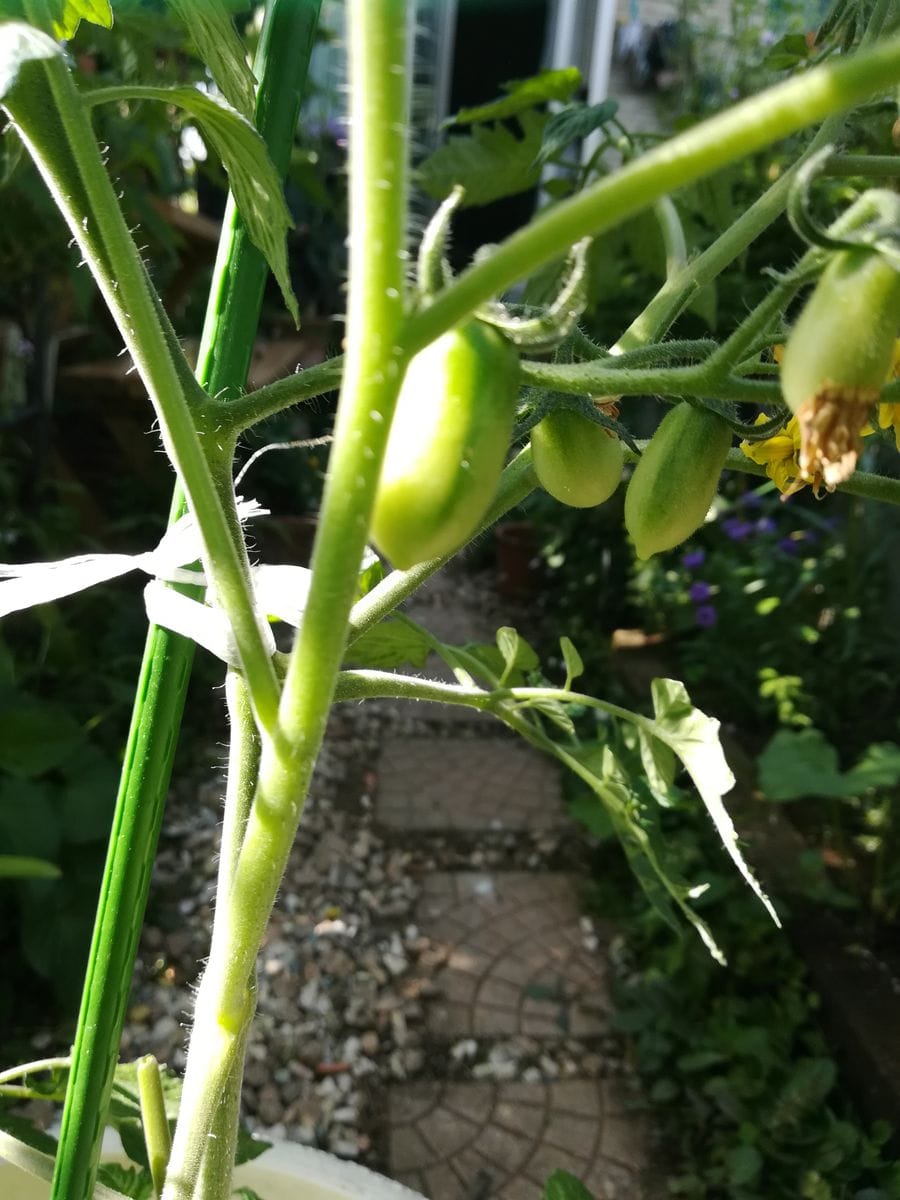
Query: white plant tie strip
point(280, 590)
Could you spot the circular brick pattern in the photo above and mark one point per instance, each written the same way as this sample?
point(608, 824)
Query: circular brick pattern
point(446, 1139)
point(515, 962)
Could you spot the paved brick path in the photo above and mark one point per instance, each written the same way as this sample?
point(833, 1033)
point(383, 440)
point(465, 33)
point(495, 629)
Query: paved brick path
point(466, 784)
point(446, 1138)
point(512, 958)
point(515, 959)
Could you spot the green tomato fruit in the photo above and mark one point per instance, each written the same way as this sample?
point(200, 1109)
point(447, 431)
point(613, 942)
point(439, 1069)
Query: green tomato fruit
point(576, 461)
point(843, 340)
point(675, 480)
point(447, 445)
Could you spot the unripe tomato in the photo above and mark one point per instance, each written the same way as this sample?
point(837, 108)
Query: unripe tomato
point(837, 358)
point(844, 337)
point(447, 444)
point(577, 461)
point(675, 480)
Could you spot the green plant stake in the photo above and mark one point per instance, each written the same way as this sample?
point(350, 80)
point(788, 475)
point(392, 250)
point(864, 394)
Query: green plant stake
point(227, 346)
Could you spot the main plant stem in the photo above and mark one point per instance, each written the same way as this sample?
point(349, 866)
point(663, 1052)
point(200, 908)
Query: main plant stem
point(374, 365)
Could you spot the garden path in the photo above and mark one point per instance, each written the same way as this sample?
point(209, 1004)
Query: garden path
point(432, 1001)
point(511, 960)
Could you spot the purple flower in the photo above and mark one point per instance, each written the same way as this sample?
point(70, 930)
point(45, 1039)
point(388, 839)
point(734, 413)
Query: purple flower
point(788, 545)
point(765, 525)
point(751, 499)
point(693, 558)
point(736, 528)
point(706, 616)
point(699, 591)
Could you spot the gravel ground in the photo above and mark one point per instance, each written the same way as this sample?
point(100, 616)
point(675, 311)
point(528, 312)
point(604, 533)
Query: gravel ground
point(344, 972)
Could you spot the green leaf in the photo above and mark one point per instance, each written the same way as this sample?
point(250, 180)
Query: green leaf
point(553, 710)
point(788, 52)
point(526, 658)
point(254, 181)
point(523, 94)
point(744, 1164)
point(35, 735)
point(212, 31)
point(800, 763)
point(17, 866)
point(371, 574)
point(135, 1182)
point(40, 1164)
point(70, 14)
point(563, 1186)
point(598, 766)
point(12, 150)
point(391, 643)
point(508, 645)
point(573, 124)
point(30, 1135)
point(126, 1096)
point(587, 809)
point(21, 43)
point(695, 739)
point(879, 767)
point(572, 660)
point(659, 763)
point(248, 1147)
point(490, 163)
point(88, 797)
point(29, 822)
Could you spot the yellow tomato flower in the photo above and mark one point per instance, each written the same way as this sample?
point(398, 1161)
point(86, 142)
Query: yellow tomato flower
point(779, 455)
point(889, 414)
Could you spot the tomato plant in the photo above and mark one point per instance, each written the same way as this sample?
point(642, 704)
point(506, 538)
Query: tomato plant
point(424, 456)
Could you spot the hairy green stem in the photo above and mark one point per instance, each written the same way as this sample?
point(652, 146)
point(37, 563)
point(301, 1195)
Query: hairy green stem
point(597, 379)
point(120, 274)
point(373, 371)
point(733, 134)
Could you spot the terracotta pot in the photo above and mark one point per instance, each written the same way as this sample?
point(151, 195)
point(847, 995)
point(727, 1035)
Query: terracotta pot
point(286, 1172)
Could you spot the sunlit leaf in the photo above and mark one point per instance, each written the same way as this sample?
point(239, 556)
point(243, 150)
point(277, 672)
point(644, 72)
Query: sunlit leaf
point(254, 181)
point(523, 94)
point(598, 766)
point(490, 163)
point(68, 14)
point(508, 645)
point(212, 31)
point(573, 124)
point(390, 643)
point(695, 739)
point(659, 763)
point(573, 661)
point(19, 44)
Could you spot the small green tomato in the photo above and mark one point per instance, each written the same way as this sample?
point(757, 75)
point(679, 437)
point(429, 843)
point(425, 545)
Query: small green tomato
point(675, 480)
point(447, 445)
point(576, 461)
